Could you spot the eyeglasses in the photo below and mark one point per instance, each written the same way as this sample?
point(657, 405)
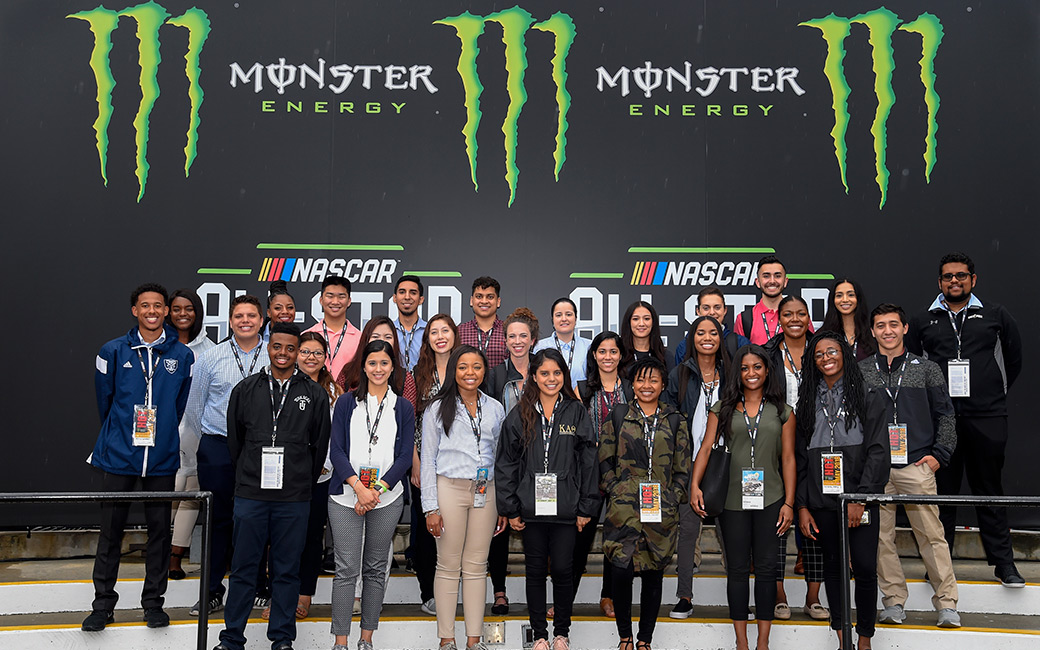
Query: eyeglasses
point(317, 354)
point(960, 275)
point(829, 352)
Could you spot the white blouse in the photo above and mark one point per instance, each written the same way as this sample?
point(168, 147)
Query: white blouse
point(380, 454)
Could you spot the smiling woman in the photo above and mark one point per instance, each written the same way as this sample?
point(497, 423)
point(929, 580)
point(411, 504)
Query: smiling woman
point(371, 451)
point(460, 437)
point(758, 429)
point(547, 483)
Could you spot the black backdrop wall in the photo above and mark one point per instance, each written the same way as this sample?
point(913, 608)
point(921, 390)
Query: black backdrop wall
point(688, 140)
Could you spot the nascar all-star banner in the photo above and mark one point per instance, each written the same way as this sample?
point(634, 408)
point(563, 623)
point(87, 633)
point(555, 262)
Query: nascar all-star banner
point(608, 151)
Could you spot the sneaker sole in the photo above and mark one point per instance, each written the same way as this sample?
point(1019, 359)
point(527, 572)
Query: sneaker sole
point(680, 615)
point(1013, 585)
point(948, 625)
point(891, 621)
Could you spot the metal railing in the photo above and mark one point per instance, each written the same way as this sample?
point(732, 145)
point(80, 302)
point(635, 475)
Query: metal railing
point(204, 498)
point(907, 499)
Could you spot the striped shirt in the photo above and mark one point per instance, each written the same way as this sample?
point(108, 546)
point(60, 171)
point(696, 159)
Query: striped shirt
point(216, 374)
point(458, 455)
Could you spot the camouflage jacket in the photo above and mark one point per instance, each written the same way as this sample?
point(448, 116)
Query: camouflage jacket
point(623, 460)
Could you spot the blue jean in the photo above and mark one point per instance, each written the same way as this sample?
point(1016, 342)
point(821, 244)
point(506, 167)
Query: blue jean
point(256, 523)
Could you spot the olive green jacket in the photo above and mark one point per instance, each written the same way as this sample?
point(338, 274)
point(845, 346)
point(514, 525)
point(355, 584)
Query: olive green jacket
point(623, 461)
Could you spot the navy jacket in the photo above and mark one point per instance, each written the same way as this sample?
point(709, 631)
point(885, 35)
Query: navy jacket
point(120, 384)
point(339, 446)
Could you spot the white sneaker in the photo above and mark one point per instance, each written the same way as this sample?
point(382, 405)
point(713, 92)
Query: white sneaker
point(948, 617)
point(430, 607)
point(893, 615)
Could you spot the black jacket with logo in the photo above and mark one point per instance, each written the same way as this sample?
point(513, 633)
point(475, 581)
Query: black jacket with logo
point(303, 434)
point(572, 457)
point(989, 339)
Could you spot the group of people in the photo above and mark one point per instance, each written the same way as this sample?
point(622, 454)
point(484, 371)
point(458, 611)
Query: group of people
point(487, 427)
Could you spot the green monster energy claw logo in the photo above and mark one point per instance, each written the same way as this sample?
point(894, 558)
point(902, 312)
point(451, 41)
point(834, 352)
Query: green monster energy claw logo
point(515, 24)
point(882, 24)
point(149, 17)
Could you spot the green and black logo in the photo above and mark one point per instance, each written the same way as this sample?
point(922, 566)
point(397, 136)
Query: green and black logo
point(149, 17)
point(882, 24)
point(515, 24)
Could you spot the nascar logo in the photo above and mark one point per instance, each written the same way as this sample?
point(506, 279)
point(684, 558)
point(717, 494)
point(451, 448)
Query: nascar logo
point(315, 269)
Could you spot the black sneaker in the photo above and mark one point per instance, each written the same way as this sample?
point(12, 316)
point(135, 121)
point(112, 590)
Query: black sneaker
point(97, 620)
point(216, 603)
point(682, 609)
point(156, 617)
point(1009, 576)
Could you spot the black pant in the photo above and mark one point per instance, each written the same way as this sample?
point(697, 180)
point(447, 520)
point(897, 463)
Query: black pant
point(424, 548)
point(110, 541)
point(649, 601)
point(582, 547)
point(980, 454)
point(498, 560)
point(217, 474)
point(751, 535)
point(863, 545)
point(310, 561)
point(549, 545)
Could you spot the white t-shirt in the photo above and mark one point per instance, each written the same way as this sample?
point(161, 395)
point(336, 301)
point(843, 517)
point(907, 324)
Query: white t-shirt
point(379, 454)
point(700, 416)
point(792, 387)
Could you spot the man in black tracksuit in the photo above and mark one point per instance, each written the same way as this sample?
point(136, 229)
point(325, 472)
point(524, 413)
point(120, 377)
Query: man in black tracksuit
point(278, 437)
point(959, 326)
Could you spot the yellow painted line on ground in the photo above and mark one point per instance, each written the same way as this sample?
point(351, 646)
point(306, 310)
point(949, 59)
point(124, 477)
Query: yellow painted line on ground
point(662, 619)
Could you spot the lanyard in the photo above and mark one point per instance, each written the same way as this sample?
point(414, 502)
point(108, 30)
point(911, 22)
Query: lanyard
point(833, 422)
point(765, 326)
point(342, 335)
point(276, 411)
point(547, 429)
point(516, 389)
point(148, 375)
point(956, 330)
point(408, 336)
point(484, 344)
point(373, 428)
point(574, 344)
point(899, 384)
point(649, 433)
point(475, 422)
point(614, 398)
point(753, 431)
point(252, 364)
point(708, 387)
point(436, 387)
point(790, 360)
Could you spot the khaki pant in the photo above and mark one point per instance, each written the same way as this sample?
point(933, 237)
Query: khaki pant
point(462, 549)
point(928, 531)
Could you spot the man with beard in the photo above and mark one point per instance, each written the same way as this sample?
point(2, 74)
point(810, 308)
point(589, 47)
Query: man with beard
point(486, 331)
point(763, 321)
point(408, 296)
point(979, 349)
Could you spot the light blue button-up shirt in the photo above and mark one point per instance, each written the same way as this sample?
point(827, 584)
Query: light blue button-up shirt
point(216, 373)
point(457, 454)
point(581, 350)
point(409, 343)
